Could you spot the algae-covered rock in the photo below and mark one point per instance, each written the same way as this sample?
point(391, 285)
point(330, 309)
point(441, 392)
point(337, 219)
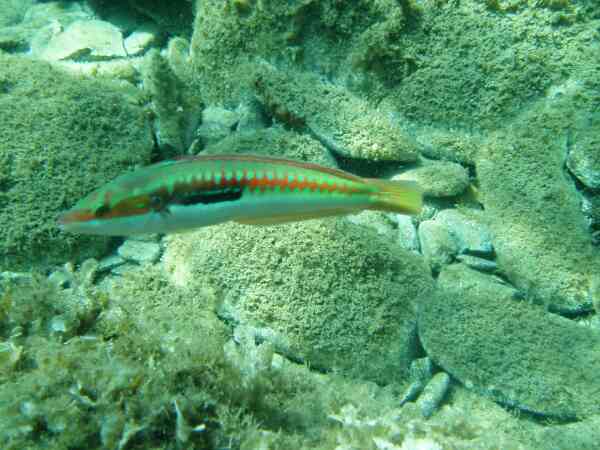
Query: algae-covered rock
point(86, 40)
point(60, 137)
point(532, 207)
point(483, 67)
point(438, 178)
point(165, 89)
point(479, 330)
point(335, 294)
point(274, 141)
point(344, 123)
point(584, 158)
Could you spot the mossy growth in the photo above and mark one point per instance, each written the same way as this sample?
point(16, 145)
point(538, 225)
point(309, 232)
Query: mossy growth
point(149, 365)
point(60, 137)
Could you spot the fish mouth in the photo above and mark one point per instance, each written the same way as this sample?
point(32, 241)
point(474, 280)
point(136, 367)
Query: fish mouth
point(75, 216)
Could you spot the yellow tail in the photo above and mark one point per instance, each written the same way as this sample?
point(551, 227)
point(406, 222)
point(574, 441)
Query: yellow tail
point(403, 197)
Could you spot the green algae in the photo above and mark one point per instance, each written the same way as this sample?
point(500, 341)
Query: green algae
point(141, 374)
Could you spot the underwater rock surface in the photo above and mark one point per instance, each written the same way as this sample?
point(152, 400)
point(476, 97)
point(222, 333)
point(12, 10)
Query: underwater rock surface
point(504, 347)
point(500, 96)
point(335, 294)
point(60, 137)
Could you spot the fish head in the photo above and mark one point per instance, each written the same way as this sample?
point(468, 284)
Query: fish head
point(114, 210)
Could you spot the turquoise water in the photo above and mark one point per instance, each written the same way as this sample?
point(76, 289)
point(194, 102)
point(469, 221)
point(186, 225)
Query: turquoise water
point(471, 325)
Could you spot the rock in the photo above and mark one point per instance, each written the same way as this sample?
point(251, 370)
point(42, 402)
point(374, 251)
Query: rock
point(12, 12)
point(141, 39)
point(342, 122)
point(508, 349)
point(174, 17)
point(433, 394)
point(120, 69)
point(470, 236)
point(251, 116)
point(110, 262)
point(338, 295)
point(451, 233)
point(86, 40)
point(217, 123)
point(477, 263)
point(584, 158)
point(581, 435)
point(590, 206)
point(375, 220)
point(408, 237)
point(73, 144)
point(139, 251)
point(126, 269)
point(274, 141)
point(421, 372)
point(438, 178)
point(162, 84)
point(437, 245)
point(534, 211)
point(31, 32)
point(448, 145)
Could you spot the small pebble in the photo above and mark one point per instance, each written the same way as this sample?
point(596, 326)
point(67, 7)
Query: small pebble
point(141, 40)
point(438, 178)
point(433, 394)
point(408, 237)
point(217, 123)
point(471, 236)
point(583, 160)
point(420, 372)
point(86, 40)
point(60, 279)
point(139, 251)
point(110, 262)
point(477, 263)
point(437, 245)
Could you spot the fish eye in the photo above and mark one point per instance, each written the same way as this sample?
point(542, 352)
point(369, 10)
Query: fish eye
point(156, 202)
point(102, 211)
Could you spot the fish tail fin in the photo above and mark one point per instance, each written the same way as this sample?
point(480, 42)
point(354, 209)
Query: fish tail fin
point(399, 196)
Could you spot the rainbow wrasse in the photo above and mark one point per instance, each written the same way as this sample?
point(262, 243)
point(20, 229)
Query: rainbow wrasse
point(188, 193)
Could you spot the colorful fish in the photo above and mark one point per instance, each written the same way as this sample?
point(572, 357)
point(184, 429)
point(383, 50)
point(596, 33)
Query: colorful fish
point(184, 194)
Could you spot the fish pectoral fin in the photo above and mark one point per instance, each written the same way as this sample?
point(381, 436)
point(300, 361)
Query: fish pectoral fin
point(287, 218)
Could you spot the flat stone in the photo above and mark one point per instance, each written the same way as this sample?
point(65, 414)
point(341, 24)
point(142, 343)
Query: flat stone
point(344, 123)
point(139, 251)
point(508, 349)
point(110, 262)
point(477, 263)
point(376, 220)
point(438, 178)
point(471, 236)
point(125, 269)
point(437, 245)
point(584, 158)
point(217, 123)
point(335, 295)
point(590, 206)
point(408, 236)
point(86, 40)
point(141, 39)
